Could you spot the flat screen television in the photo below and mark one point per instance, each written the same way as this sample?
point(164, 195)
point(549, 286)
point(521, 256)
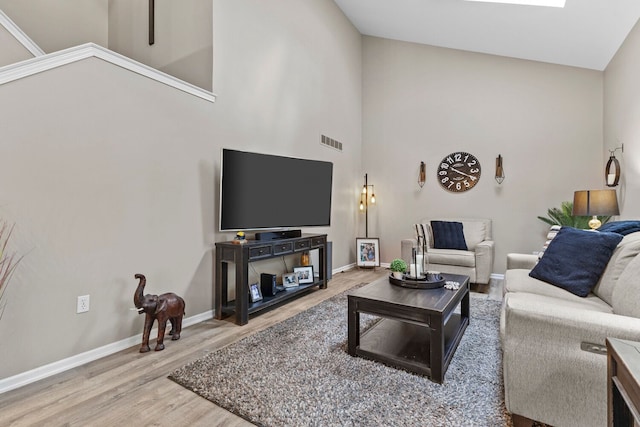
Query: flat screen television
point(262, 191)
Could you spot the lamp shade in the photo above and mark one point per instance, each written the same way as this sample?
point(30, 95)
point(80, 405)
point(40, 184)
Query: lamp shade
point(595, 202)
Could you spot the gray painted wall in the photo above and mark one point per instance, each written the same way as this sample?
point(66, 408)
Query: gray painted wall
point(183, 36)
point(420, 103)
point(112, 173)
point(622, 120)
point(12, 50)
point(56, 25)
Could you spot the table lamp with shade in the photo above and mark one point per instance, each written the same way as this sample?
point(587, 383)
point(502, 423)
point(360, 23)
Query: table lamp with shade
point(594, 203)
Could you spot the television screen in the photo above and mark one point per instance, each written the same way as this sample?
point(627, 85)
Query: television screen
point(261, 191)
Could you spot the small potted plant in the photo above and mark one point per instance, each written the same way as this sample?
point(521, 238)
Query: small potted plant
point(398, 267)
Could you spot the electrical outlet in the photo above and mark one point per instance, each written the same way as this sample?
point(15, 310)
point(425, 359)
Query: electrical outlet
point(83, 304)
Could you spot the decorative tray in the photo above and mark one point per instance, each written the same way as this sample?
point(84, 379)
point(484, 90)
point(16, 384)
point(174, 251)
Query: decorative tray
point(430, 281)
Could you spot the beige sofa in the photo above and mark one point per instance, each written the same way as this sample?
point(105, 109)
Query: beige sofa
point(476, 262)
point(554, 359)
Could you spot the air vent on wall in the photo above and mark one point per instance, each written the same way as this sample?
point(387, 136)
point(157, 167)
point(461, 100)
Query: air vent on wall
point(330, 142)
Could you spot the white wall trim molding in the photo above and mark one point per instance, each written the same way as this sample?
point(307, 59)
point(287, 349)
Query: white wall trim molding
point(19, 35)
point(37, 374)
point(49, 61)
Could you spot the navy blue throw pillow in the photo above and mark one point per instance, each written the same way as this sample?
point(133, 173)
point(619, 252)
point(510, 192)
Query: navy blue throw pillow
point(448, 235)
point(621, 227)
point(575, 259)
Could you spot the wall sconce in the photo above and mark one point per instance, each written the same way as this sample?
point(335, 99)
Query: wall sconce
point(422, 174)
point(499, 170)
point(366, 197)
point(612, 177)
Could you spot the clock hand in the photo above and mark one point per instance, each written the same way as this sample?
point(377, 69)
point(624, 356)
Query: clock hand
point(462, 173)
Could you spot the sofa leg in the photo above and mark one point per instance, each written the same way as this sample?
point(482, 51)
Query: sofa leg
point(520, 421)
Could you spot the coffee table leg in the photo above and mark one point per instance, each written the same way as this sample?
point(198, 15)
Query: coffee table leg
point(353, 326)
point(437, 350)
point(464, 308)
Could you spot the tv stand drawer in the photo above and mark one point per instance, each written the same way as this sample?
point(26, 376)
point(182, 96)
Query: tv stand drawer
point(282, 248)
point(317, 241)
point(302, 244)
point(260, 252)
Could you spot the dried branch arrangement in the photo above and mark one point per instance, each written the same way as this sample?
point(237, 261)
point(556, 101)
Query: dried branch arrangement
point(8, 261)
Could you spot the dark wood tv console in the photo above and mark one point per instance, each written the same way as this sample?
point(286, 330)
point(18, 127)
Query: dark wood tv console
point(255, 250)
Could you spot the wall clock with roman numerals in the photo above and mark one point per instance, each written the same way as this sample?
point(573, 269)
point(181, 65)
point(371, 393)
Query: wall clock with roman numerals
point(459, 172)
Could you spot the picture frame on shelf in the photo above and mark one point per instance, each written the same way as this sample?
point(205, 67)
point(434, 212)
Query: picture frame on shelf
point(290, 280)
point(368, 252)
point(304, 273)
point(255, 294)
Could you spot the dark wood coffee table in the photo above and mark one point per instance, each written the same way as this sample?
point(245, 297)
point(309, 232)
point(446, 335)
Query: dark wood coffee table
point(420, 328)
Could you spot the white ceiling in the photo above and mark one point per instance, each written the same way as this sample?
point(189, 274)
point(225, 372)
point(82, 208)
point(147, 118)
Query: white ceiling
point(585, 33)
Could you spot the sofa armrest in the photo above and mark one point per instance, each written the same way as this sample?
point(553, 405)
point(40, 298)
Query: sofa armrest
point(484, 261)
point(554, 323)
point(544, 361)
point(521, 261)
point(406, 246)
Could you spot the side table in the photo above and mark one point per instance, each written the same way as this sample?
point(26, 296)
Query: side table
point(623, 382)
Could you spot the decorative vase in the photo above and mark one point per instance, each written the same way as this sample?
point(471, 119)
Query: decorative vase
point(304, 259)
point(398, 275)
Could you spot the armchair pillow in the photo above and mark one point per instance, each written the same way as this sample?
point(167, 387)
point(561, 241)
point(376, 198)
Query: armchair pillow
point(448, 235)
point(575, 259)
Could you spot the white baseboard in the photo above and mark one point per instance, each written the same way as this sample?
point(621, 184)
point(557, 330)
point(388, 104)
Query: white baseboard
point(37, 374)
point(343, 268)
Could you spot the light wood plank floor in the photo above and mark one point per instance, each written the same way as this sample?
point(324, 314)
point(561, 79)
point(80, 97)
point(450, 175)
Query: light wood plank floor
point(130, 388)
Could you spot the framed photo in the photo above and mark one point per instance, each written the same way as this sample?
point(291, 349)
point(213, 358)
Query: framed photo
point(289, 280)
point(255, 294)
point(305, 274)
point(368, 252)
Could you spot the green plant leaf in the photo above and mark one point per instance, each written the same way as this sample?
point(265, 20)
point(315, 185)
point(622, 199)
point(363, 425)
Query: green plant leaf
point(564, 216)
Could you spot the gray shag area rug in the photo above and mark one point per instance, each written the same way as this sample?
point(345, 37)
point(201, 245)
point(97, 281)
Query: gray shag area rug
point(298, 373)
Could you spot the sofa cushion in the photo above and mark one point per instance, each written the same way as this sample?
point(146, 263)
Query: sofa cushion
point(448, 235)
point(575, 259)
point(451, 257)
point(621, 227)
point(627, 291)
point(475, 232)
point(519, 281)
point(536, 301)
point(626, 250)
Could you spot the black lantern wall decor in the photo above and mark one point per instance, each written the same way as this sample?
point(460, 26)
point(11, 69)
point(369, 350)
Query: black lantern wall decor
point(422, 174)
point(612, 170)
point(499, 170)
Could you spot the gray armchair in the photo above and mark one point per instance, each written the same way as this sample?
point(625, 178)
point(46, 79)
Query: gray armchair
point(476, 262)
